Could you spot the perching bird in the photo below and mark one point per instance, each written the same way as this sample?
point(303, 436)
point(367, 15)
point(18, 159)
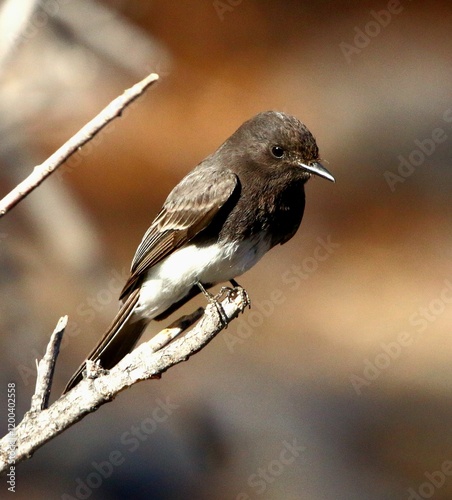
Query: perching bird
point(215, 224)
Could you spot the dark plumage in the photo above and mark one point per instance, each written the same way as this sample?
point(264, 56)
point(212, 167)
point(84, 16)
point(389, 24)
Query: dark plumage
point(215, 224)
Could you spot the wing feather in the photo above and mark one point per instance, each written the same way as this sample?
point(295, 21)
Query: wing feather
point(189, 209)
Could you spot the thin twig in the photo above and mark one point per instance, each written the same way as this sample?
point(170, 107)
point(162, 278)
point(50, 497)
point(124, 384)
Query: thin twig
point(37, 428)
point(85, 134)
point(46, 367)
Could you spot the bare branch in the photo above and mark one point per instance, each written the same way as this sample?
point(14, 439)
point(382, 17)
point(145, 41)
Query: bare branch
point(85, 134)
point(164, 337)
point(39, 427)
point(46, 367)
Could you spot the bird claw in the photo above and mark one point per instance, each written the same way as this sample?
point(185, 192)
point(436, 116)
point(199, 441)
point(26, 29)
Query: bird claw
point(232, 293)
point(214, 299)
point(239, 290)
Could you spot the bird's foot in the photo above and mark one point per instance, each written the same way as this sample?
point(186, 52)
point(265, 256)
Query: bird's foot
point(238, 289)
point(232, 293)
point(214, 299)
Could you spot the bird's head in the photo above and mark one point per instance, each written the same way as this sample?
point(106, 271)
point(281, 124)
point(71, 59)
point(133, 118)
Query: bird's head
point(281, 141)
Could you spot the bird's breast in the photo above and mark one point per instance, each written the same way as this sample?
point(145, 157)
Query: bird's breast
point(171, 279)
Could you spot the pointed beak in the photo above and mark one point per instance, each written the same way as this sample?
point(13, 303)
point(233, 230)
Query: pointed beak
point(317, 168)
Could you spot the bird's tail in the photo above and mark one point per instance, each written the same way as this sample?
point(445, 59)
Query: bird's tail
point(118, 340)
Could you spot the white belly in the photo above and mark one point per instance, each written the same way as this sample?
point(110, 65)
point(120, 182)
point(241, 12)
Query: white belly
point(171, 279)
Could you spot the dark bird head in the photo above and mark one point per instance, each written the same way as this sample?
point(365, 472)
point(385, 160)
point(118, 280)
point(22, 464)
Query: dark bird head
point(282, 143)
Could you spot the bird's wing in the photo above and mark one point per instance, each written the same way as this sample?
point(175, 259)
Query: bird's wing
point(189, 208)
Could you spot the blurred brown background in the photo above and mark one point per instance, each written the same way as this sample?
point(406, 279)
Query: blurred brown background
point(340, 388)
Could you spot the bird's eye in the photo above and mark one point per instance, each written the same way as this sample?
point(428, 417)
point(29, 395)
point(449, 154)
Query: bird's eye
point(277, 151)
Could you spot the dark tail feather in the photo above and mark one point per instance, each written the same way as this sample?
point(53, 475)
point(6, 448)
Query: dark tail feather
point(118, 340)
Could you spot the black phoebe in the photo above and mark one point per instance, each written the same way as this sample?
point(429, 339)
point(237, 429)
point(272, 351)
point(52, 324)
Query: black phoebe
point(216, 224)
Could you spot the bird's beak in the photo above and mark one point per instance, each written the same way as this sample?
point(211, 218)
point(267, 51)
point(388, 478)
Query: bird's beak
point(317, 168)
